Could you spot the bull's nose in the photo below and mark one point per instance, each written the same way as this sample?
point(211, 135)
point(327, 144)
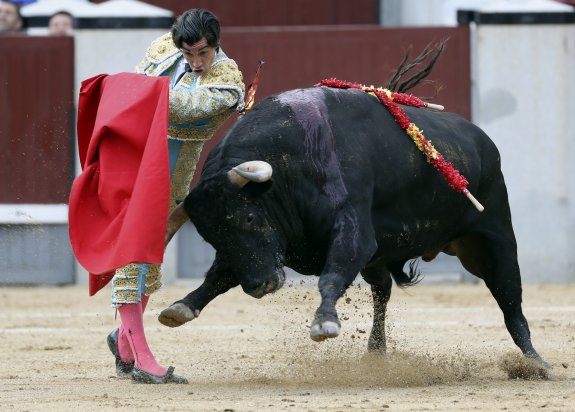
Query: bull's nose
point(269, 286)
point(265, 288)
point(272, 283)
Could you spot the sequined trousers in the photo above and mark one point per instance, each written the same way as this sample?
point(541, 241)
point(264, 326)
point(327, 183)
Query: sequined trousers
point(132, 281)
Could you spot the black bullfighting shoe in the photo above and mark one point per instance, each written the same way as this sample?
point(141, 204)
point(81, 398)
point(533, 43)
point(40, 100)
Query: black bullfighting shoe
point(141, 376)
point(123, 369)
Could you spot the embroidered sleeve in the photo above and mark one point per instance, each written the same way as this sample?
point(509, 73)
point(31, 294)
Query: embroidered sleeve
point(220, 90)
point(159, 56)
point(201, 103)
point(144, 64)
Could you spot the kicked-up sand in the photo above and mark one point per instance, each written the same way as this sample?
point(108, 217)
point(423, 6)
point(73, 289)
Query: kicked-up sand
point(448, 350)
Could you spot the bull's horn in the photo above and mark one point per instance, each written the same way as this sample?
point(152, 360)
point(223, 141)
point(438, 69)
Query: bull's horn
point(253, 171)
point(175, 221)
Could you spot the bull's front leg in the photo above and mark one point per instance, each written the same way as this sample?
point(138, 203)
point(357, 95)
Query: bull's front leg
point(189, 308)
point(326, 323)
point(351, 248)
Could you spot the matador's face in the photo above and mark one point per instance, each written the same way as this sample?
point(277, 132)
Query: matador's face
point(199, 55)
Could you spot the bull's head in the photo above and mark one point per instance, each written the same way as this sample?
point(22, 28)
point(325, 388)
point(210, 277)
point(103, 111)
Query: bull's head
point(253, 171)
point(236, 225)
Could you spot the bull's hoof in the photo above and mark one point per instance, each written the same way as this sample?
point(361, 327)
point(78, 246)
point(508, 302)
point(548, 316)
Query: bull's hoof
point(176, 315)
point(518, 366)
point(321, 331)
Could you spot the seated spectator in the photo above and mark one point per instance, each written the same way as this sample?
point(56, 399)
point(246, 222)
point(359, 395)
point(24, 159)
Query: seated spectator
point(10, 18)
point(61, 24)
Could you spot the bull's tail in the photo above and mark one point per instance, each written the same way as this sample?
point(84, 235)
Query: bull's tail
point(435, 50)
point(403, 279)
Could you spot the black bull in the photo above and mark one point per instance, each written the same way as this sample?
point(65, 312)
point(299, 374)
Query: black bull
point(350, 194)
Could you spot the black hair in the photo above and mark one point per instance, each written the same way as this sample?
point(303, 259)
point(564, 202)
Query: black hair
point(64, 13)
point(195, 24)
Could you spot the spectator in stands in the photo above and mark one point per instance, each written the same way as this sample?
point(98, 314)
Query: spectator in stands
point(206, 87)
point(11, 20)
point(61, 23)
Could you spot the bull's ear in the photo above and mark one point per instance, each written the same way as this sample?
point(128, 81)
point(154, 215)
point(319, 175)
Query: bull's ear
point(197, 202)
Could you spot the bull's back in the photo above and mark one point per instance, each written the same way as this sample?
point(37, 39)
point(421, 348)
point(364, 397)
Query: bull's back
point(367, 138)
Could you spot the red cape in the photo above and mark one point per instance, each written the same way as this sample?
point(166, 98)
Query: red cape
point(119, 204)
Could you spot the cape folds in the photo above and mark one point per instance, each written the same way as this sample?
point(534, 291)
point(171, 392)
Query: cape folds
point(119, 203)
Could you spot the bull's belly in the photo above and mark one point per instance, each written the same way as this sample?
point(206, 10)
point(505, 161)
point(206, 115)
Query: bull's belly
point(398, 247)
point(391, 250)
point(397, 240)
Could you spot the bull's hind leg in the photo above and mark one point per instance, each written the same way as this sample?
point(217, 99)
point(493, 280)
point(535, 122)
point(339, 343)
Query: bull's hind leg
point(380, 281)
point(495, 260)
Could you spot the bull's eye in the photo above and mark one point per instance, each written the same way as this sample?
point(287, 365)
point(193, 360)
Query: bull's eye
point(250, 218)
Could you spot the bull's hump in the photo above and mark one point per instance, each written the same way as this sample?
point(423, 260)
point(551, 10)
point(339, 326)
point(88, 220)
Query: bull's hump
point(308, 107)
point(306, 104)
point(311, 112)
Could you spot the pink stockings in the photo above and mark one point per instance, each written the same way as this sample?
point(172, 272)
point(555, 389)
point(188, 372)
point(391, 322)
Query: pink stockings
point(132, 343)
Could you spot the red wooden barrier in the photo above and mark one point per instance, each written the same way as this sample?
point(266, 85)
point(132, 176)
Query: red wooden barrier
point(36, 119)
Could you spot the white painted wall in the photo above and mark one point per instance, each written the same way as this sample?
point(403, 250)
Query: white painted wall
point(524, 100)
point(110, 51)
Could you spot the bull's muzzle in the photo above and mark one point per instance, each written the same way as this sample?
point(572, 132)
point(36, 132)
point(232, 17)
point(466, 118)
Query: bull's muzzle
point(271, 285)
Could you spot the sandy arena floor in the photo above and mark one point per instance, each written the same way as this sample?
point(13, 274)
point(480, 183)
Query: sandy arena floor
point(447, 344)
